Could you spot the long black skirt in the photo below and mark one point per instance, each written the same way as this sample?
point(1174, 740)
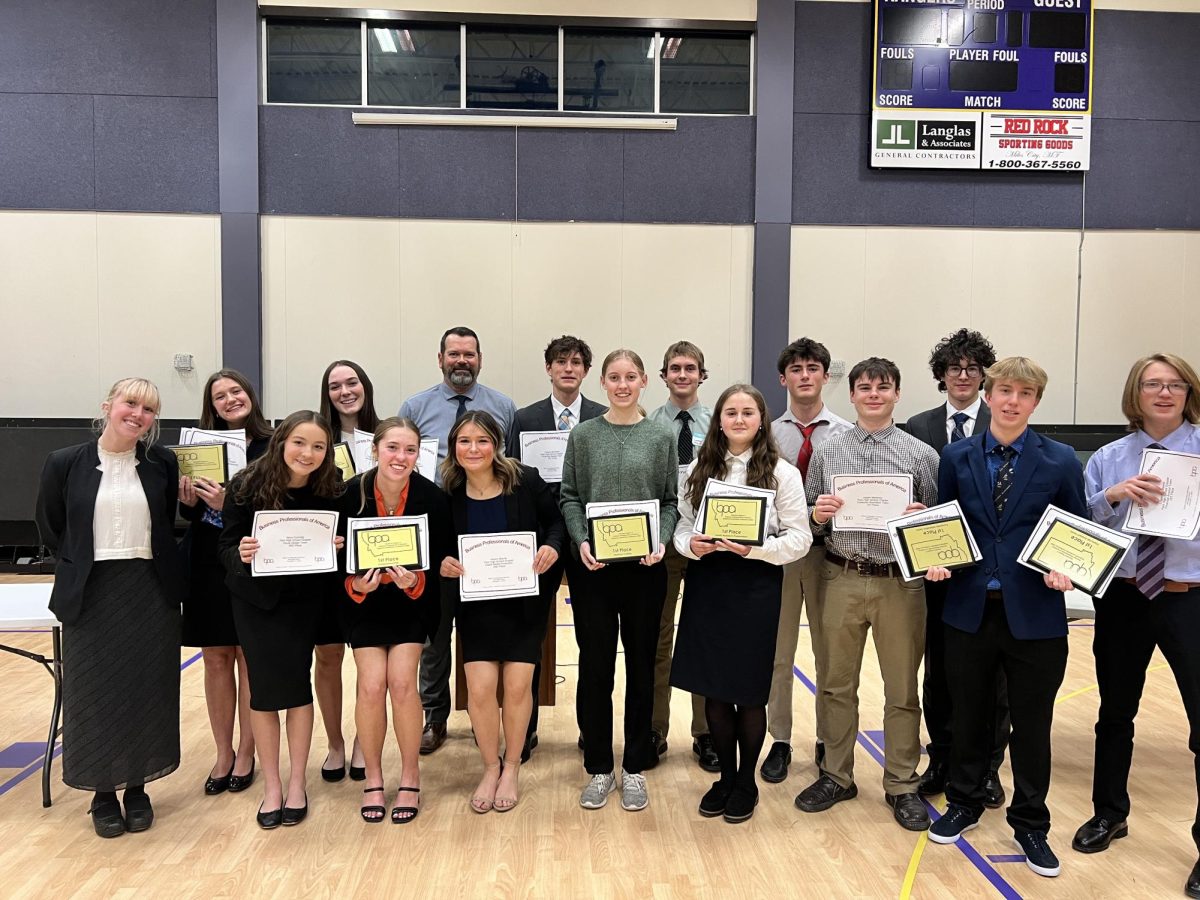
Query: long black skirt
point(121, 680)
point(725, 647)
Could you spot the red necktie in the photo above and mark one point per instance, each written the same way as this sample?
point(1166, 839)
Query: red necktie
point(806, 449)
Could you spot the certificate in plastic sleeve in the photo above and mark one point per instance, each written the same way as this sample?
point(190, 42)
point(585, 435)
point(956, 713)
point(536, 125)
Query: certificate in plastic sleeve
point(741, 519)
point(620, 538)
point(343, 458)
point(203, 461)
point(388, 546)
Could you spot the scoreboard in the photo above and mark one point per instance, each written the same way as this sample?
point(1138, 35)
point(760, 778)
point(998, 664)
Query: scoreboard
point(982, 84)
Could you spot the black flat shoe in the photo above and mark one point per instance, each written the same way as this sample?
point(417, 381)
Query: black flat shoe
point(294, 815)
point(775, 766)
point(1097, 833)
point(741, 803)
point(531, 742)
point(238, 783)
point(713, 803)
point(358, 773)
point(106, 818)
point(1192, 888)
point(214, 786)
point(139, 814)
point(336, 774)
point(269, 820)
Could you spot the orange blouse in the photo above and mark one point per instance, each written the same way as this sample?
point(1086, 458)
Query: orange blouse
point(413, 592)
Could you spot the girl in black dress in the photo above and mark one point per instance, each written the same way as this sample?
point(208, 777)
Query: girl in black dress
point(501, 638)
point(393, 614)
point(229, 402)
point(277, 617)
point(725, 647)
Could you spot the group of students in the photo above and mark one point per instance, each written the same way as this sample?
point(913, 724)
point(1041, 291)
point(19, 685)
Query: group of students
point(992, 636)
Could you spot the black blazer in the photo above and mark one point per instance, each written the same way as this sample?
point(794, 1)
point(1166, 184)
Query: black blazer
point(530, 507)
point(930, 426)
point(540, 417)
point(66, 507)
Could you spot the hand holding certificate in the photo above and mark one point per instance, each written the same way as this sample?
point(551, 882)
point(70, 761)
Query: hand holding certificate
point(300, 542)
point(386, 542)
point(869, 502)
point(496, 566)
point(934, 537)
point(734, 512)
point(620, 537)
point(1176, 514)
point(1087, 553)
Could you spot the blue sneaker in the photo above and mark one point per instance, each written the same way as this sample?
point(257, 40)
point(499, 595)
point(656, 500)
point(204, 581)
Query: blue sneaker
point(954, 822)
point(1038, 855)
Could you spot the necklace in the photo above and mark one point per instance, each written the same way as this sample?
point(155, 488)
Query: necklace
point(617, 435)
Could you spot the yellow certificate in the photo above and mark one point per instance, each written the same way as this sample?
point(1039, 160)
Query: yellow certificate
point(929, 544)
point(619, 538)
point(741, 519)
point(203, 461)
point(344, 460)
point(381, 548)
point(1084, 558)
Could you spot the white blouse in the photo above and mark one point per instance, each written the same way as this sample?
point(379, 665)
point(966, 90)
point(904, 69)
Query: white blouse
point(788, 535)
point(121, 522)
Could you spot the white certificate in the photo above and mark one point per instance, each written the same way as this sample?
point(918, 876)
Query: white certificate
point(1177, 515)
point(497, 565)
point(234, 440)
point(544, 451)
point(427, 458)
point(623, 507)
point(361, 447)
point(369, 522)
point(871, 501)
point(295, 542)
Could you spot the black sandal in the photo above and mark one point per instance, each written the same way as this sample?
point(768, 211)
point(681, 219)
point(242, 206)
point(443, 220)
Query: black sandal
point(382, 810)
point(397, 819)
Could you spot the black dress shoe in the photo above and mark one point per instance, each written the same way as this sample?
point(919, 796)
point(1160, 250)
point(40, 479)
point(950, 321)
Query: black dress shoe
point(238, 783)
point(741, 803)
point(993, 791)
point(706, 753)
point(712, 804)
point(1097, 833)
point(933, 780)
point(139, 814)
point(775, 766)
point(214, 786)
point(269, 820)
point(106, 818)
point(358, 773)
point(824, 793)
point(1192, 888)
point(531, 742)
point(659, 742)
point(294, 815)
point(333, 774)
point(432, 737)
point(909, 810)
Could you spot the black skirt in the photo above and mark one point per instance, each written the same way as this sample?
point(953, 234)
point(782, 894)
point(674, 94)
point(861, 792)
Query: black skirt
point(278, 645)
point(503, 630)
point(207, 608)
point(121, 680)
point(388, 616)
point(725, 646)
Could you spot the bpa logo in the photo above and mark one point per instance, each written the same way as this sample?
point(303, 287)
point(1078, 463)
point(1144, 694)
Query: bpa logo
point(895, 134)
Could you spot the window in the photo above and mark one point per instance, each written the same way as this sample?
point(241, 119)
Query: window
point(510, 69)
point(417, 66)
point(314, 62)
point(704, 72)
point(608, 70)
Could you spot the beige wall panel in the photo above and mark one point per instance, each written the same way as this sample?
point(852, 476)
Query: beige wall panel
point(273, 231)
point(1131, 279)
point(567, 280)
point(49, 358)
point(455, 273)
point(341, 301)
point(158, 294)
point(723, 10)
point(741, 302)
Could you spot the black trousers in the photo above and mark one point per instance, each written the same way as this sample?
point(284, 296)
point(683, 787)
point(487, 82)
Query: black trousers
point(935, 689)
point(627, 599)
point(1128, 628)
point(571, 566)
point(1034, 671)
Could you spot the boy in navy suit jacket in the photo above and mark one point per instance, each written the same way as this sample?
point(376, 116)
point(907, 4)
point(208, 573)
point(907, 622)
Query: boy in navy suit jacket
point(1000, 615)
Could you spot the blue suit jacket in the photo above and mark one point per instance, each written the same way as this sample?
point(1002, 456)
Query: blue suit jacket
point(1047, 473)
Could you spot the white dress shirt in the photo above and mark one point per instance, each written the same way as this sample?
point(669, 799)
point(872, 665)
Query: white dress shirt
point(121, 521)
point(968, 426)
point(574, 408)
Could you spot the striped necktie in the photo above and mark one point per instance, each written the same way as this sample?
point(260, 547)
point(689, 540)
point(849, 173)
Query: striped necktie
point(564, 419)
point(960, 419)
point(1150, 574)
point(685, 447)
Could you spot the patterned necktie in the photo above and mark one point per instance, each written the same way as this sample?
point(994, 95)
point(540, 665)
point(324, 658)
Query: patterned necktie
point(564, 420)
point(804, 457)
point(685, 437)
point(462, 406)
point(1003, 478)
point(1151, 572)
point(960, 419)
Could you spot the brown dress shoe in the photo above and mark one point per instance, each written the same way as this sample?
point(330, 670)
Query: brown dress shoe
point(432, 737)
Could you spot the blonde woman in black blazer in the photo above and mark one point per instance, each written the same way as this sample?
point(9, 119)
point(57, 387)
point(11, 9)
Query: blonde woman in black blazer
point(107, 510)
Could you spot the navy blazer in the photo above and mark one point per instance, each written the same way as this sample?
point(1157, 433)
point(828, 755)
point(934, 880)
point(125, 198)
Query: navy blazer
point(1048, 473)
point(66, 508)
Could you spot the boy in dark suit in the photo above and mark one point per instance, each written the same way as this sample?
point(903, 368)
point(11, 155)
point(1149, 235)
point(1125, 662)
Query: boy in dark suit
point(1002, 616)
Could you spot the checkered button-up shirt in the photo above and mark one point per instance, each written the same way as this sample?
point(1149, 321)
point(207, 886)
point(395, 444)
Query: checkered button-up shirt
point(888, 451)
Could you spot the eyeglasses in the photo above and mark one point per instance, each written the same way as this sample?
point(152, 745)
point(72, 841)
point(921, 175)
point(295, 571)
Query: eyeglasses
point(972, 371)
point(1178, 388)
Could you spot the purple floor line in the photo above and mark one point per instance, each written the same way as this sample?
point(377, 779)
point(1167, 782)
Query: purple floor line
point(1006, 890)
point(1006, 857)
point(36, 766)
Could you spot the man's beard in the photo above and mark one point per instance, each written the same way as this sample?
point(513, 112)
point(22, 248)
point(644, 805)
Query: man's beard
point(461, 377)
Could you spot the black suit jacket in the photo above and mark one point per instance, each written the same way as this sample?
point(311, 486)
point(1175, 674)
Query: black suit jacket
point(66, 508)
point(540, 417)
point(531, 506)
point(930, 426)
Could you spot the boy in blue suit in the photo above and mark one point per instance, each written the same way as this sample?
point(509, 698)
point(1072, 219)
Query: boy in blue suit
point(1002, 616)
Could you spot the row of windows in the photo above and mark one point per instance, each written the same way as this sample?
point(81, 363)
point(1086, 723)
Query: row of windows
point(566, 69)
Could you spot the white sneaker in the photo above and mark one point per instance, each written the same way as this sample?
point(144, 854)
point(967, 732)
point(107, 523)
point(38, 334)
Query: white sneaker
point(595, 794)
point(633, 792)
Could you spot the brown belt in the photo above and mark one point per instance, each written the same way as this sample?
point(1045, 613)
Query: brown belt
point(862, 567)
point(1169, 586)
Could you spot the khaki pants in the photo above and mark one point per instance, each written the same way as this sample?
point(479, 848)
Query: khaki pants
point(801, 583)
point(661, 722)
point(895, 615)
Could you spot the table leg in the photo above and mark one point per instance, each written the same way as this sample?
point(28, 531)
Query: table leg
point(56, 672)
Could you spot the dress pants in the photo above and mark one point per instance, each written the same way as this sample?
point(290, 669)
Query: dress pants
point(801, 586)
point(1034, 672)
point(565, 567)
point(623, 598)
point(935, 690)
point(676, 564)
point(1128, 627)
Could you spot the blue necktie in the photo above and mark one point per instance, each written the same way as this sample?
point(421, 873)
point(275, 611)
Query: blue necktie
point(960, 419)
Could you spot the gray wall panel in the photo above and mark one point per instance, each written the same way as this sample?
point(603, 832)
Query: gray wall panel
point(455, 173)
point(1027, 200)
point(316, 162)
point(1144, 175)
point(1146, 65)
point(156, 154)
point(110, 47)
point(46, 157)
point(704, 172)
point(569, 174)
point(833, 57)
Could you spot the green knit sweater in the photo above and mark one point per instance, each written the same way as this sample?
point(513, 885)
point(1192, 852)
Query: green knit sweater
point(597, 468)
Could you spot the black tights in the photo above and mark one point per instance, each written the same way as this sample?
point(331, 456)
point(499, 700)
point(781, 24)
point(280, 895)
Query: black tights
point(130, 791)
point(736, 729)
